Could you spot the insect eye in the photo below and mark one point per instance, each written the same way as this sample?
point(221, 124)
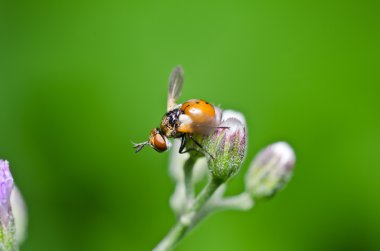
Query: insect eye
point(159, 143)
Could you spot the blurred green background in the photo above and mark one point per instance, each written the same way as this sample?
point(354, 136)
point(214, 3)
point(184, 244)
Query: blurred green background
point(80, 80)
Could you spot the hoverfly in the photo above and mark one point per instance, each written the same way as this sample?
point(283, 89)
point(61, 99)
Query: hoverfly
point(184, 121)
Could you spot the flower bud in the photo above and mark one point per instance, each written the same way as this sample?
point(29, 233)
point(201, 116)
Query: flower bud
point(270, 170)
point(12, 209)
point(7, 227)
point(6, 186)
point(227, 146)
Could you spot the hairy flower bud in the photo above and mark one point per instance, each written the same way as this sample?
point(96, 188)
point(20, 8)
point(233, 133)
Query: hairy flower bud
point(270, 170)
point(227, 146)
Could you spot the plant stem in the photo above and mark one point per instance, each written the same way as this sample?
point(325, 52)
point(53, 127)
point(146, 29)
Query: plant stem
point(240, 202)
point(187, 219)
point(188, 175)
point(7, 235)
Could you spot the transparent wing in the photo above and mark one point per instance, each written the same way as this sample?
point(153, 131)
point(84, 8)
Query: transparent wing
point(175, 87)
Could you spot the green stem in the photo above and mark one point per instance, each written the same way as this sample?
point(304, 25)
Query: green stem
point(188, 173)
point(187, 219)
point(7, 235)
point(240, 202)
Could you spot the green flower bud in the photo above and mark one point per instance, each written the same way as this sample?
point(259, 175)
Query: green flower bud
point(227, 146)
point(270, 170)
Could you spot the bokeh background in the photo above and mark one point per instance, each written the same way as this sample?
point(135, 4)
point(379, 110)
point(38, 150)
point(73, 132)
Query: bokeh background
point(80, 80)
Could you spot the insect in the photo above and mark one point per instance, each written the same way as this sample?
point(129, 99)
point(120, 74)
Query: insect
point(184, 121)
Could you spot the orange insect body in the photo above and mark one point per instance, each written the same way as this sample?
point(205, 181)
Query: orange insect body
point(200, 117)
point(200, 111)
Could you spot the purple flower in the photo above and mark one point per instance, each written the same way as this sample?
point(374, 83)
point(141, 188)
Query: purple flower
point(6, 187)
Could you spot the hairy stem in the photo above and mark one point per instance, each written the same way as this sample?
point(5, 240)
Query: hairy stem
point(187, 219)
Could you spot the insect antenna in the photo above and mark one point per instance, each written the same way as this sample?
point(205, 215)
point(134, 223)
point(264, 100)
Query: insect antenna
point(140, 146)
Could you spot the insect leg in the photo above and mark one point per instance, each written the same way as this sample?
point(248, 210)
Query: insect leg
point(183, 144)
point(200, 146)
point(195, 141)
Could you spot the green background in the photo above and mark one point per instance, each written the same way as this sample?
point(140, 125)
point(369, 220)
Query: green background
point(80, 80)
